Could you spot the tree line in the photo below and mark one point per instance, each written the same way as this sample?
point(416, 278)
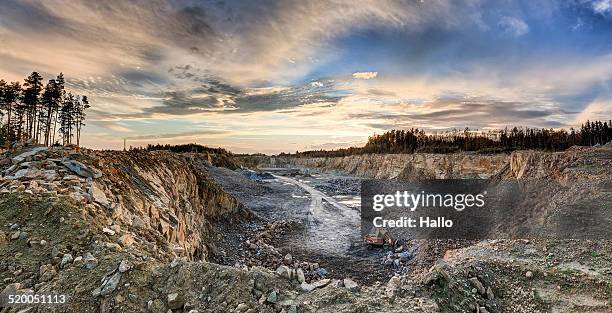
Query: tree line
point(186, 148)
point(493, 141)
point(36, 112)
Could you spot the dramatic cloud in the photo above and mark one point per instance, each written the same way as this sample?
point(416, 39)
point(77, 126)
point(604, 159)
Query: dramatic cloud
point(365, 75)
point(448, 113)
point(284, 75)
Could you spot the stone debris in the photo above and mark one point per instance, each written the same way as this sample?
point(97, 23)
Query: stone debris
point(109, 284)
point(478, 285)
point(350, 284)
point(283, 271)
point(126, 240)
point(89, 262)
point(175, 286)
point(47, 272)
point(15, 235)
point(175, 301)
point(66, 260)
point(82, 169)
point(272, 297)
point(28, 155)
point(48, 172)
point(124, 266)
point(300, 275)
point(108, 231)
point(288, 259)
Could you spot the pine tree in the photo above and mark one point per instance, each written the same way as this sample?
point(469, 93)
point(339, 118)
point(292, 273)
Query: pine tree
point(31, 102)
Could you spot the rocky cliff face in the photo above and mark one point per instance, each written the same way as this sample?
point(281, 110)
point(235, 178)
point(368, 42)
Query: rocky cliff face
point(387, 166)
point(165, 193)
point(574, 163)
point(165, 200)
point(577, 162)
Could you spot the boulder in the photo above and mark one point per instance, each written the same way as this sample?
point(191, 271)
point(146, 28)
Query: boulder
point(490, 294)
point(300, 275)
point(350, 284)
point(47, 272)
point(175, 301)
point(89, 261)
point(272, 297)
point(321, 283)
point(28, 154)
point(82, 169)
point(393, 285)
point(478, 285)
point(126, 240)
point(108, 231)
point(110, 284)
point(15, 235)
point(306, 286)
point(10, 289)
point(284, 271)
point(113, 246)
point(66, 259)
point(124, 266)
point(98, 195)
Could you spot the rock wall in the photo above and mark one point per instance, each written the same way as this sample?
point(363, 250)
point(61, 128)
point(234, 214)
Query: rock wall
point(576, 162)
point(386, 166)
point(159, 199)
point(167, 194)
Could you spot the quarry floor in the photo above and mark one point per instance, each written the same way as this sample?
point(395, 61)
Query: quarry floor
point(323, 210)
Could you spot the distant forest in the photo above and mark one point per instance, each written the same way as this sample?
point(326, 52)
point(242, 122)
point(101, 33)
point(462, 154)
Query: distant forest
point(36, 112)
point(494, 141)
point(191, 147)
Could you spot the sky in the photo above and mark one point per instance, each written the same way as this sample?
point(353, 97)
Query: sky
point(272, 76)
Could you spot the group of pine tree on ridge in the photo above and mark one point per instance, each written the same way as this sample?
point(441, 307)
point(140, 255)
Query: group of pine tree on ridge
point(492, 141)
point(35, 112)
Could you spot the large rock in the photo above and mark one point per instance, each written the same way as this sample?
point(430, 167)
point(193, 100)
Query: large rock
point(82, 169)
point(108, 231)
point(22, 157)
point(300, 275)
point(283, 271)
point(321, 283)
point(47, 272)
point(126, 240)
point(350, 284)
point(89, 261)
point(124, 266)
point(66, 259)
point(393, 286)
point(478, 285)
point(98, 195)
point(306, 286)
point(175, 301)
point(288, 259)
point(272, 297)
point(109, 284)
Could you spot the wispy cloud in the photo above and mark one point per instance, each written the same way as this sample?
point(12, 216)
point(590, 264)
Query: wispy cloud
point(513, 26)
point(365, 75)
